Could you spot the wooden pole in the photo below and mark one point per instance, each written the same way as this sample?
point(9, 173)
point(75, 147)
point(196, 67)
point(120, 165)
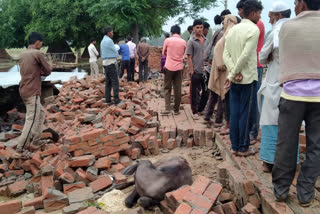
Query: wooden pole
point(226, 4)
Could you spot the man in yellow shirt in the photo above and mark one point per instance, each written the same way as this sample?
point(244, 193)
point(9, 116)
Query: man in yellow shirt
point(240, 58)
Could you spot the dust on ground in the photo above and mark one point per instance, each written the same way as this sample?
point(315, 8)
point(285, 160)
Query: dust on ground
point(203, 161)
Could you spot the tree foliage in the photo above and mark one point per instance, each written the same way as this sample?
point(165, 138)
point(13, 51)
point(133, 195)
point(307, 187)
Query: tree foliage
point(76, 21)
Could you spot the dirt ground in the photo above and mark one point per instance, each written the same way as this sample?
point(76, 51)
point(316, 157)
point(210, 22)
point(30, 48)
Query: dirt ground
point(201, 160)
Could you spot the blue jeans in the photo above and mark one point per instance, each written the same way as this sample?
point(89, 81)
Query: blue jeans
point(241, 102)
point(254, 124)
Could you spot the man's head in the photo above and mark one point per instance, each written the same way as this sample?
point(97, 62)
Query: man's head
point(304, 5)
point(175, 29)
point(143, 40)
point(190, 29)
point(252, 10)
point(108, 31)
point(198, 27)
point(166, 35)
point(129, 38)
point(217, 20)
point(93, 41)
point(224, 13)
point(35, 39)
point(240, 8)
point(279, 11)
point(206, 27)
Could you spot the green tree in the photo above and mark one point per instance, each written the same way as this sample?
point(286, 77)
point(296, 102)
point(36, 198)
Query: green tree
point(144, 17)
point(14, 16)
point(61, 20)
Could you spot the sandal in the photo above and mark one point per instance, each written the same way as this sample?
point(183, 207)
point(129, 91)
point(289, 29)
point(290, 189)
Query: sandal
point(218, 125)
point(252, 142)
point(165, 112)
point(267, 167)
point(251, 151)
point(308, 204)
point(224, 131)
point(234, 152)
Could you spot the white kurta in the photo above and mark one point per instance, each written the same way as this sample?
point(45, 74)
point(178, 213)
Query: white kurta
point(270, 88)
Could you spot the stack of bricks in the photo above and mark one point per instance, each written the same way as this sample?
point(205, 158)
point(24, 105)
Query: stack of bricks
point(199, 198)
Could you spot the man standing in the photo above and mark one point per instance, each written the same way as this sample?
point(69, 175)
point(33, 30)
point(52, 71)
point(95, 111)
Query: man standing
point(173, 49)
point(206, 27)
point(125, 59)
point(195, 52)
point(132, 53)
point(93, 53)
point(240, 57)
point(300, 100)
point(143, 52)
point(109, 55)
point(33, 66)
point(270, 90)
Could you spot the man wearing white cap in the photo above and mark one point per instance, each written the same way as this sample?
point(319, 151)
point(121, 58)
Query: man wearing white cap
point(299, 48)
point(270, 90)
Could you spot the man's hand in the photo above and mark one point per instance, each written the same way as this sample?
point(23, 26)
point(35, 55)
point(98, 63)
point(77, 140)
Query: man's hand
point(238, 77)
point(227, 84)
point(222, 68)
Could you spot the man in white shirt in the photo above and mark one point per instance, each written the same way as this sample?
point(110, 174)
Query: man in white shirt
point(132, 53)
point(93, 53)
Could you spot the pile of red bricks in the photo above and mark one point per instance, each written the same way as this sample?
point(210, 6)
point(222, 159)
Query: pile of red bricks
point(202, 197)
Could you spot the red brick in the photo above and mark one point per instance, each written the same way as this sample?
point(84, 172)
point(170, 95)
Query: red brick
point(133, 130)
point(67, 178)
point(73, 139)
point(103, 163)
point(52, 151)
point(122, 140)
point(136, 153)
point(171, 143)
point(108, 150)
point(107, 138)
point(27, 210)
point(177, 196)
point(229, 207)
point(82, 161)
point(115, 157)
point(3, 167)
point(92, 134)
point(249, 187)
point(3, 191)
point(36, 159)
point(17, 188)
point(119, 177)
point(249, 208)
point(46, 135)
point(118, 134)
point(77, 146)
point(218, 209)
point(200, 185)
point(13, 173)
point(54, 204)
point(197, 201)
point(10, 207)
point(138, 120)
point(212, 192)
point(46, 182)
point(17, 127)
point(183, 209)
point(101, 183)
point(78, 153)
point(34, 170)
point(125, 161)
point(302, 139)
point(71, 187)
point(198, 211)
point(89, 210)
point(81, 176)
point(117, 168)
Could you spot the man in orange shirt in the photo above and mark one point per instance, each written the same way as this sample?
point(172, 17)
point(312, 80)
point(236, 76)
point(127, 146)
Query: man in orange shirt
point(173, 49)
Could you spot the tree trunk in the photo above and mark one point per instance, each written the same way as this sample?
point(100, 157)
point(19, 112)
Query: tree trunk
point(4, 55)
point(85, 53)
point(135, 31)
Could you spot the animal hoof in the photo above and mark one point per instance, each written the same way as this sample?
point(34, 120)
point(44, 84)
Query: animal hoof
point(128, 203)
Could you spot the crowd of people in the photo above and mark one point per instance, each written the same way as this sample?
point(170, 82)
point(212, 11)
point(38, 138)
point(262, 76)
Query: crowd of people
point(226, 73)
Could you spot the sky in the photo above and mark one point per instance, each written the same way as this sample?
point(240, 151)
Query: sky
point(210, 14)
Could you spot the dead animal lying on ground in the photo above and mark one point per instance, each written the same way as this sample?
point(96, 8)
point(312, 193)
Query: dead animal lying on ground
point(153, 181)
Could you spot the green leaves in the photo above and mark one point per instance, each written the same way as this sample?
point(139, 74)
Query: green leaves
point(76, 21)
